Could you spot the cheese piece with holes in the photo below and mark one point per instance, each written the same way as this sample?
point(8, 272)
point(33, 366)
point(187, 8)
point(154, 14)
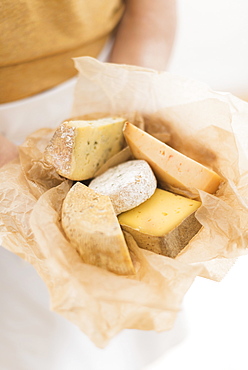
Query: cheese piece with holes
point(164, 224)
point(128, 184)
point(173, 170)
point(79, 148)
point(91, 226)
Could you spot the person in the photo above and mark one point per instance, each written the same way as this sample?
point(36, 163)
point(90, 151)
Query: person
point(33, 42)
point(39, 40)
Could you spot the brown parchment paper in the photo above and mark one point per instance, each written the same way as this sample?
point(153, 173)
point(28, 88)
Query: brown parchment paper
point(207, 126)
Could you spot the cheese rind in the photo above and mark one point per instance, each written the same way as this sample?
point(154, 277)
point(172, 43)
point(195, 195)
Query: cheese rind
point(173, 170)
point(164, 224)
point(128, 184)
point(79, 148)
point(90, 224)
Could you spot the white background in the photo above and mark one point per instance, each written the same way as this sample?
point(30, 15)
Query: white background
point(212, 43)
point(212, 46)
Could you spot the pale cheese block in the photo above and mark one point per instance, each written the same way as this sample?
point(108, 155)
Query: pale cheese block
point(91, 226)
point(164, 224)
point(79, 148)
point(173, 170)
point(128, 184)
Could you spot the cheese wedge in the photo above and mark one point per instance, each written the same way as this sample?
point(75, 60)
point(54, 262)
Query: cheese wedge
point(164, 224)
point(90, 224)
point(79, 148)
point(128, 184)
point(174, 171)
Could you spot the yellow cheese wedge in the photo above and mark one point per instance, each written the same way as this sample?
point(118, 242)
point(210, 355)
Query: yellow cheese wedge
point(163, 224)
point(90, 224)
point(79, 148)
point(174, 171)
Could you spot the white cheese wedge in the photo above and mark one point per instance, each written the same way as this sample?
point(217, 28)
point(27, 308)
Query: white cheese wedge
point(79, 148)
point(164, 224)
point(128, 184)
point(91, 226)
point(173, 170)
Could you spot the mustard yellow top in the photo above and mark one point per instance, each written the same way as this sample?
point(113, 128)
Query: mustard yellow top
point(39, 39)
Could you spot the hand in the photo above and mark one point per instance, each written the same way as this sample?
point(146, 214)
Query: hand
point(8, 151)
point(145, 35)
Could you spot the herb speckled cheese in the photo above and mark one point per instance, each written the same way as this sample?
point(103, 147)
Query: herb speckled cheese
point(164, 224)
point(79, 148)
point(91, 226)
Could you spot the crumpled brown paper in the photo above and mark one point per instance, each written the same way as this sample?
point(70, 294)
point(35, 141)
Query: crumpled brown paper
point(207, 126)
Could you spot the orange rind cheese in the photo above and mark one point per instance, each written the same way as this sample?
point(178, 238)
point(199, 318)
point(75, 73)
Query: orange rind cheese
point(173, 170)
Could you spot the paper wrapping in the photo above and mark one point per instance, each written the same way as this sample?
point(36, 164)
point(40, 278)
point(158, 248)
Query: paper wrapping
point(208, 126)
